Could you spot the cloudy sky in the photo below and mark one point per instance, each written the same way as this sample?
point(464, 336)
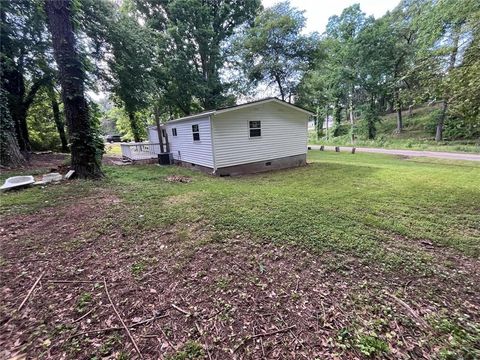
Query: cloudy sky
point(317, 12)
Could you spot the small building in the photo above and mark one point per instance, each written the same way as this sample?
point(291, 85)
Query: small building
point(253, 137)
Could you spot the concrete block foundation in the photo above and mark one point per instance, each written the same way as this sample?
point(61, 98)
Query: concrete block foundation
point(250, 168)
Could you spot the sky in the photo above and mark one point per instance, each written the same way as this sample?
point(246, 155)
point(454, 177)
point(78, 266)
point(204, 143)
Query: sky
point(317, 12)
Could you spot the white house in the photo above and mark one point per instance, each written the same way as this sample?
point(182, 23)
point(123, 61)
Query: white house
point(252, 137)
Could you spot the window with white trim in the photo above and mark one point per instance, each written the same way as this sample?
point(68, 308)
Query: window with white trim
point(174, 131)
point(255, 128)
point(164, 133)
point(196, 132)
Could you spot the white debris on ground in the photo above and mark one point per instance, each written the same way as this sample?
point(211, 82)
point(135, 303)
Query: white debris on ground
point(16, 182)
point(52, 177)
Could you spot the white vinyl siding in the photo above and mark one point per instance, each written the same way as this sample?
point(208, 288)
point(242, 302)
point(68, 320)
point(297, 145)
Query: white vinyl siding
point(195, 152)
point(283, 133)
point(153, 135)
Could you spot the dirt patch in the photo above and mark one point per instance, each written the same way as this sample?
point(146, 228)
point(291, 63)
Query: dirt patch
point(43, 161)
point(187, 289)
point(178, 179)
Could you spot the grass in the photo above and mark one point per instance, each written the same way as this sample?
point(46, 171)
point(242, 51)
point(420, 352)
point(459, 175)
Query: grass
point(113, 149)
point(355, 204)
point(416, 135)
point(340, 202)
point(375, 209)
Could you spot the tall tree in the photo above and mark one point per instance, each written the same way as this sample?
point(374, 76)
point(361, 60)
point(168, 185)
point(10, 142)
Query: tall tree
point(447, 31)
point(23, 45)
point(85, 161)
point(344, 32)
point(192, 36)
point(131, 66)
point(274, 50)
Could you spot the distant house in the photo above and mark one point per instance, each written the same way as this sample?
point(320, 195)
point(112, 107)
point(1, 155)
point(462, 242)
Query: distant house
point(252, 137)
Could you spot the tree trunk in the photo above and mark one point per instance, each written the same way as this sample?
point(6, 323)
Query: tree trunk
point(58, 120)
point(318, 124)
point(85, 161)
point(399, 119)
point(451, 65)
point(398, 108)
point(441, 121)
point(326, 125)
point(352, 117)
point(10, 154)
point(14, 84)
point(134, 127)
point(280, 87)
point(337, 118)
point(156, 113)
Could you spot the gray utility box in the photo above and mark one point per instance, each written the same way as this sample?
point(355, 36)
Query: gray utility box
point(165, 159)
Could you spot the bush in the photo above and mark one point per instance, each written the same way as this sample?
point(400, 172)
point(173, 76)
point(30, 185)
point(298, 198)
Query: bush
point(461, 128)
point(341, 130)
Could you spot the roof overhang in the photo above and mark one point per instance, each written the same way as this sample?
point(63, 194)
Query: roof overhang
point(240, 107)
point(264, 101)
point(191, 117)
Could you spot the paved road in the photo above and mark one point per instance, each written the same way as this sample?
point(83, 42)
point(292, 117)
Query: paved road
point(413, 153)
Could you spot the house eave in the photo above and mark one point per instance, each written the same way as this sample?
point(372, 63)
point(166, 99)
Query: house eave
point(192, 117)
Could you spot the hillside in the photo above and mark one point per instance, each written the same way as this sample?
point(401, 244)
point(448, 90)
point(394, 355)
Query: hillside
point(418, 133)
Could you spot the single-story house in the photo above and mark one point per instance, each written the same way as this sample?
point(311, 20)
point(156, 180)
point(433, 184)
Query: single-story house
point(253, 137)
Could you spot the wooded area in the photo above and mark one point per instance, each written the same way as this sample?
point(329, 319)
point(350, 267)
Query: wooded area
point(158, 59)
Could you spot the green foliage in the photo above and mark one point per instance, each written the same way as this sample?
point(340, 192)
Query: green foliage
point(131, 65)
point(190, 350)
point(407, 57)
point(462, 335)
point(274, 50)
point(83, 301)
point(42, 129)
point(7, 131)
point(368, 122)
point(122, 123)
point(94, 118)
point(192, 39)
point(371, 345)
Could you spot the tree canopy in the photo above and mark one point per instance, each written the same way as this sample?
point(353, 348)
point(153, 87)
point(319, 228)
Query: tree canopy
point(157, 59)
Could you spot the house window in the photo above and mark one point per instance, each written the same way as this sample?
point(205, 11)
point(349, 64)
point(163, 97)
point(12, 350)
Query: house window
point(196, 132)
point(174, 131)
point(164, 133)
point(255, 128)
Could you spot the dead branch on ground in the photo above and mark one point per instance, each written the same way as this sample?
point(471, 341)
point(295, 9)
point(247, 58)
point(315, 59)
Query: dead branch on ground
point(30, 291)
point(121, 320)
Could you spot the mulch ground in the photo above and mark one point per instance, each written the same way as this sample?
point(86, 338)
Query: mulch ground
point(53, 162)
point(182, 291)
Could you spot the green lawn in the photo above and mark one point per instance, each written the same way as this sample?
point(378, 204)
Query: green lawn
point(346, 203)
point(113, 149)
point(396, 219)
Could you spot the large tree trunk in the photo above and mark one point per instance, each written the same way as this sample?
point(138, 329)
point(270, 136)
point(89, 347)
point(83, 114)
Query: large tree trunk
point(15, 86)
point(10, 155)
point(84, 153)
point(58, 120)
point(20, 100)
point(451, 65)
